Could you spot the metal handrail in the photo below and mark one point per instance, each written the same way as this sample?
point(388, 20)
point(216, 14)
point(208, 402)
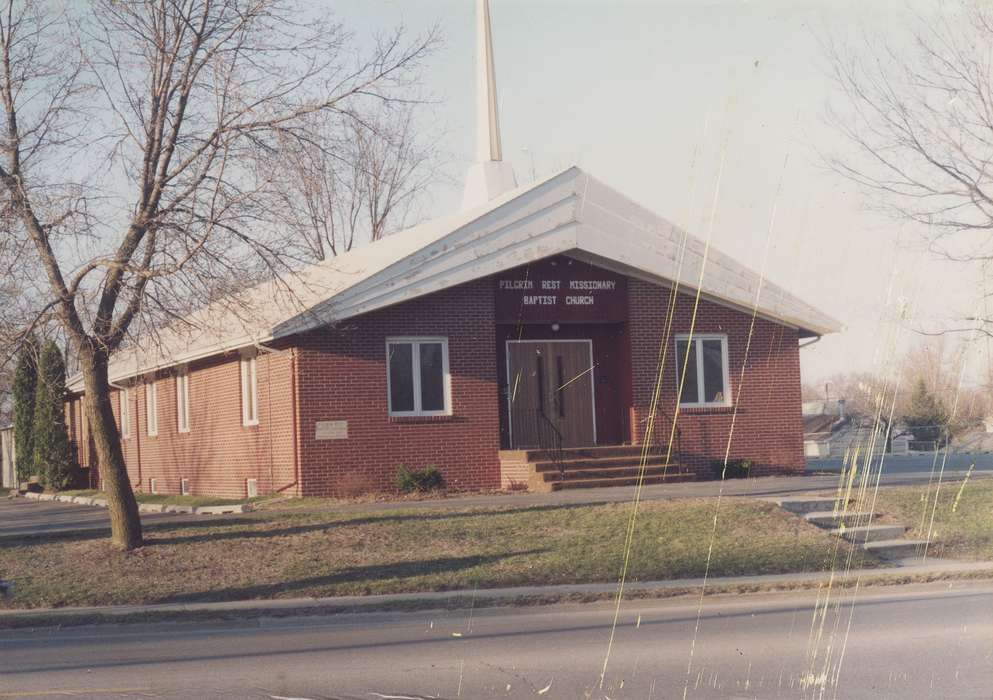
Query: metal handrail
point(550, 440)
point(549, 436)
point(660, 438)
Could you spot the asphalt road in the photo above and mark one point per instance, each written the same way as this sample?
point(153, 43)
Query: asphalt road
point(19, 517)
point(918, 466)
point(926, 641)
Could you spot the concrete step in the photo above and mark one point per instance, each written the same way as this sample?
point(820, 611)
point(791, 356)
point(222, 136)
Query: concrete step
point(670, 478)
point(870, 533)
point(833, 519)
point(801, 505)
point(895, 549)
point(602, 463)
point(626, 470)
point(603, 451)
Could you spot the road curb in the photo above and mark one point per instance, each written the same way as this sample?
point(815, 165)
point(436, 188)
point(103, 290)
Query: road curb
point(142, 507)
point(494, 597)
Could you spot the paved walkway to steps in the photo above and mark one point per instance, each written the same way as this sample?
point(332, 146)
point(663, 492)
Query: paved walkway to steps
point(52, 518)
point(887, 541)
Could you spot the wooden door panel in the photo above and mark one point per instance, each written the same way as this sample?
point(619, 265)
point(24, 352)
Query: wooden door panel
point(550, 384)
point(573, 393)
point(526, 390)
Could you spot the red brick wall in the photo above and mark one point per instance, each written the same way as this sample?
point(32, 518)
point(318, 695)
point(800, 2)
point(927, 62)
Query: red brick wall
point(768, 427)
point(342, 376)
point(339, 373)
point(218, 454)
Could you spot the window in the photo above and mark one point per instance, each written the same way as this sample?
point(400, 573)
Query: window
point(417, 376)
point(151, 409)
point(249, 392)
point(125, 397)
point(706, 382)
point(184, 487)
point(183, 400)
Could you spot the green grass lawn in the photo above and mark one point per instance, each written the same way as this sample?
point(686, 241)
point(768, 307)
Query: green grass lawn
point(168, 499)
point(962, 527)
point(321, 554)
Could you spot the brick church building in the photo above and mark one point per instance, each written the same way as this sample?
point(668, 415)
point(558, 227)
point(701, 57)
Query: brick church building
point(548, 336)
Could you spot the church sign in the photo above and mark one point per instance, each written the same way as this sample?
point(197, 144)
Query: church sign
point(562, 290)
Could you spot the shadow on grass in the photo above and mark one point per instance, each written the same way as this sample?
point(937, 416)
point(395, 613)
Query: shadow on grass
point(164, 532)
point(306, 528)
point(370, 573)
point(17, 538)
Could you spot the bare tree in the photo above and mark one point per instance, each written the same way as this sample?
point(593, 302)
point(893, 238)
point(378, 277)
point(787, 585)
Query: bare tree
point(129, 142)
point(935, 361)
point(921, 121)
point(356, 179)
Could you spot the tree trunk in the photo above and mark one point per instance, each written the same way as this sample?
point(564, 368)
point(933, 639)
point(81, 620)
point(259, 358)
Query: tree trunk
point(125, 523)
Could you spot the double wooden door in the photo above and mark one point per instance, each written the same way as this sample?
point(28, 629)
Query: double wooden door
point(550, 390)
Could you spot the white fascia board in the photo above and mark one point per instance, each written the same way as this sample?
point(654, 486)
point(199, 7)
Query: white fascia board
point(658, 267)
point(514, 255)
point(615, 228)
point(536, 224)
point(667, 283)
point(128, 368)
point(545, 207)
point(439, 277)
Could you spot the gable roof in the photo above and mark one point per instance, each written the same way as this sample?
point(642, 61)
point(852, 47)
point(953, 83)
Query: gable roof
point(568, 213)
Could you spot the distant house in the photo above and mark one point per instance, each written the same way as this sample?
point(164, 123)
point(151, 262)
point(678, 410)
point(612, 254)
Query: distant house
point(821, 421)
point(829, 431)
point(518, 342)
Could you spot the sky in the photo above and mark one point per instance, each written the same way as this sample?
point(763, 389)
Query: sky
point(652, 96)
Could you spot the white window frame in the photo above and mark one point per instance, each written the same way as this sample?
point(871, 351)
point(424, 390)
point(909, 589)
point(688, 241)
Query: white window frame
point(151, 408)
point(183, 400)
point(248, 371)
point(415, 359)
point(125, 398)
point(698, 358)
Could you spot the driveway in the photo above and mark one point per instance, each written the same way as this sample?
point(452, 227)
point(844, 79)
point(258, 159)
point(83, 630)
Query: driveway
point(20, 517)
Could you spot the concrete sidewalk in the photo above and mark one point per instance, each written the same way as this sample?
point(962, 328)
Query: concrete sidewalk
point(762, 487)
point(21, 518)
point(903, 572)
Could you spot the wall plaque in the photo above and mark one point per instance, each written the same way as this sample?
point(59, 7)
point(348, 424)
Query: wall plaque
point(331, 430)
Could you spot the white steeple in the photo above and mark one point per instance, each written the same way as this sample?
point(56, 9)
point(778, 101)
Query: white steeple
point(489, 176)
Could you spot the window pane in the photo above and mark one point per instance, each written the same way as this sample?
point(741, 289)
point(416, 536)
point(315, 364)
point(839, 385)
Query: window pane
point(253, 389)
point(401, 377)
point(713, 371)
point(689, 393)
point(181, 401)
point(151, 407)
point(246, 410)
point(432, 377)
point(249, 392)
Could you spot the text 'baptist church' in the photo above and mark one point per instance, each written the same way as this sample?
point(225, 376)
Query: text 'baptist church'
point(555, 285)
